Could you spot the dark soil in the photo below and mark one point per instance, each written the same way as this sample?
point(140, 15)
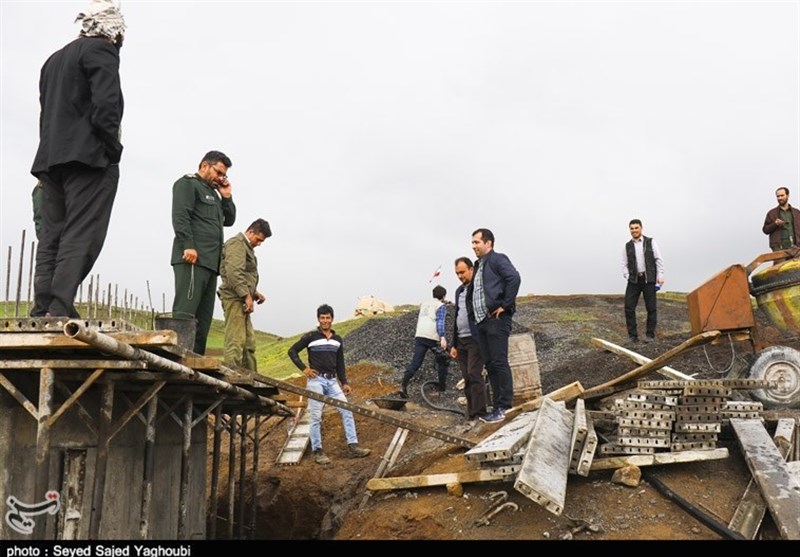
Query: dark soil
point(310, 501)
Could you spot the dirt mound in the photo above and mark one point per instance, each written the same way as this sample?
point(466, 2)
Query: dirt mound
point(309, 501)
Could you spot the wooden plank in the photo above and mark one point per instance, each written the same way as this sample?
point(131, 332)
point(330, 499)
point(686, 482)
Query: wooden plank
point(640, 460)
point(504, 442)
point(566, 393)
point(639, 359)
point(543, 476)
point(37, 364)
point(412, 482)
point(769, 470)
point(58, 340)
point(752, 508)
point(201, 363)
point(654, 365)
point(388, 460)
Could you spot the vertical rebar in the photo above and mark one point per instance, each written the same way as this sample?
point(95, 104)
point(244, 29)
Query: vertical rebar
point(30, 276)
point(108, 305)
point(8, 280)
point(89, 293)
point(96, 295)
point(19, 274)
point(116, 304)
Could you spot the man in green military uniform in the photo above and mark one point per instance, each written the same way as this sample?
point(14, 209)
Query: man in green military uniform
point(238, 293)
point(201, 206)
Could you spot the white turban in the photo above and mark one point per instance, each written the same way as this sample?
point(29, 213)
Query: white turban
point(102, 19)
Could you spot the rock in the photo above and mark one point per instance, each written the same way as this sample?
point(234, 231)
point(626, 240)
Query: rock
point(455, 489)
point(627, 475)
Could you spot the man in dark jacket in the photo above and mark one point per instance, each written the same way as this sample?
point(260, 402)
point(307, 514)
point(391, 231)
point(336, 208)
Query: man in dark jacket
point(78, 155)
point(643, 270)
point(202, 204)
point(491, 299)
point(782, 223)
point(465, 345)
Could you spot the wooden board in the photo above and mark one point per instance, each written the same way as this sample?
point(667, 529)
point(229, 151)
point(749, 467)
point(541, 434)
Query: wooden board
point(566, 393)
point(640, 460)
point(770, 472)
point(58, 340)
point(638, 358)
point(543, 476)
point(653, 365)
point(411, 482)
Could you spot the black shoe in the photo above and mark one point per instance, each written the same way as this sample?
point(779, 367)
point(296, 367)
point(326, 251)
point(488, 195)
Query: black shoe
point(649, 338)
point(633, 339)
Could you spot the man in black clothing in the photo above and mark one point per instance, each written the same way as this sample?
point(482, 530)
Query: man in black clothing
point(643, 271)
point(78, 155)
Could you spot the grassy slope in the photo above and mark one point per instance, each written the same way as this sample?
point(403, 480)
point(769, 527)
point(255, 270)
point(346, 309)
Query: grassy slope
point(271, 350)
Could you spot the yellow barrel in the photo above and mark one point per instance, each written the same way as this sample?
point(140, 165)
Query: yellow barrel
point(777, 292)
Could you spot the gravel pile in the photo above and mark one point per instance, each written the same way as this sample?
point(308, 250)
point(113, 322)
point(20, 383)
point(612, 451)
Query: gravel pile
point(388, 341)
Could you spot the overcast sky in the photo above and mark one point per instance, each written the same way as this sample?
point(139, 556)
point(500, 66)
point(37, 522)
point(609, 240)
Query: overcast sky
point(376, 136)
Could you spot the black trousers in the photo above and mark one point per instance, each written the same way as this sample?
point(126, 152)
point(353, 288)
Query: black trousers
point(76, 209)
point(471, 365)
point(493, 344)
point(633, 292)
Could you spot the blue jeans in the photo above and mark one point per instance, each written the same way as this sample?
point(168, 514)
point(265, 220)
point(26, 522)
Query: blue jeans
point(493, 343)
point(331, 388)
point(421, 347)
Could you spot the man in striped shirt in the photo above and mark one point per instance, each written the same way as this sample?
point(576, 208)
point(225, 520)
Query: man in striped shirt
point(325, 372)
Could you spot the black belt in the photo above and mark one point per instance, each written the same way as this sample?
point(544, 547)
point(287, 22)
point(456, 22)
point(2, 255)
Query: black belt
point(328, 375)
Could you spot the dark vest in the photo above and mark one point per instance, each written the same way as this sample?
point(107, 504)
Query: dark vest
point(649, 261)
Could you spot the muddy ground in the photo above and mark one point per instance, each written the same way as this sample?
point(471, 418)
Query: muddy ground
point(311, 501)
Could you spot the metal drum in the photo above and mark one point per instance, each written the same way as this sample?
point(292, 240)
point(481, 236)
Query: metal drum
point(777, 292)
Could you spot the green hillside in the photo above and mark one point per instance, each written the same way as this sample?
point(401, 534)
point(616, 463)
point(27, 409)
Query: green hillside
point(271, 350)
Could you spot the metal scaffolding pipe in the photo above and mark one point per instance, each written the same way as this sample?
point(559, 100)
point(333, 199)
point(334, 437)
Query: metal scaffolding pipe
point(77, 329)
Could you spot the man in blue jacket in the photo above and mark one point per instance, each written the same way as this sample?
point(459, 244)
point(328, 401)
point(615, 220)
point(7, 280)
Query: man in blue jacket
point(491, 301)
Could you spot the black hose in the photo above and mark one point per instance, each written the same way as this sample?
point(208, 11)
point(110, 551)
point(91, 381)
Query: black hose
point(703, 517)
point(435, 406)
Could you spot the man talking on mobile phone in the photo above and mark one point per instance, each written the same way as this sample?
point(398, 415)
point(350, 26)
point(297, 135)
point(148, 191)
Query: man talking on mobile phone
point(202, 205)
